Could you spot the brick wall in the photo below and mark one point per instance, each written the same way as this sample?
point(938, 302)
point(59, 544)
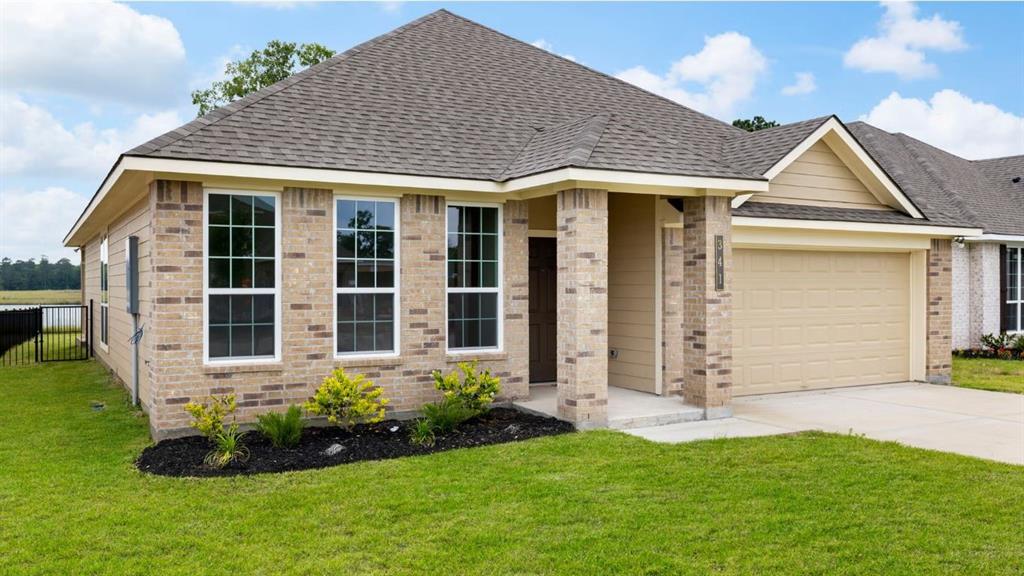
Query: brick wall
point(307, 333)
point(582, 217)
point(673, 326)
point(707, 312)
point(984, 305)
point(940, 312)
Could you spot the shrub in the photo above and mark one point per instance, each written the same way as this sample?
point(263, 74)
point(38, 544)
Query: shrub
point(446, 415)
point(228, 448)
point(475, 390)
point(283, 430)
point(422, 433)
point(348, 401)
point(208, 418)
point(995, 343)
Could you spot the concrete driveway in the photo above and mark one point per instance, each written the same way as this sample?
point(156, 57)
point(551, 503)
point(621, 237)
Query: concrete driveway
point(971, 422)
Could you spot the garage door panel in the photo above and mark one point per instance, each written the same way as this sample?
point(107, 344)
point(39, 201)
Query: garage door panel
point(805, 320)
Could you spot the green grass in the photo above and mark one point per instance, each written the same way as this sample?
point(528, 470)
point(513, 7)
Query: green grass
point(989, 374)
point(40, 297)
point(55, 345)
point(590, 503)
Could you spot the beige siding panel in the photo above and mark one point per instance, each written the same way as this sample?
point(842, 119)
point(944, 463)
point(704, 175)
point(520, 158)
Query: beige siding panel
point(819, 178)
point(134, 222)
point(631, 253)
point(807, 320)
point(542, 213)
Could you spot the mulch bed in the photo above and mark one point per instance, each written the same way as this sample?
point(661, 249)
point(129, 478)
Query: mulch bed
point(388, 439)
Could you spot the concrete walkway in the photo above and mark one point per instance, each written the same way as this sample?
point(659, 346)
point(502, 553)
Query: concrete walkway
point(971, 422)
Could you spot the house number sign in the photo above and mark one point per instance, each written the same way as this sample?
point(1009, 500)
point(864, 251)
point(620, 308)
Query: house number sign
point(719, 262)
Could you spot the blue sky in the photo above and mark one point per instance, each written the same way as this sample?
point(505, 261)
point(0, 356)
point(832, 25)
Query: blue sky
point(76, 95)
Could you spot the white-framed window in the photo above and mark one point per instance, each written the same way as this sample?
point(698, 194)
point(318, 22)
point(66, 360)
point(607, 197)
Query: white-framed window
point(241, 276)
point(366, 276)
point(474, 259)
point(104, 292)
point(1013, 308)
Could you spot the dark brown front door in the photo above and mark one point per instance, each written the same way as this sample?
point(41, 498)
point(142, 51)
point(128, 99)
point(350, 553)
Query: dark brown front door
point(543, 310)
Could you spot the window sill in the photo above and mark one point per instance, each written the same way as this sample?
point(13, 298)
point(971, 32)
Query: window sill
point(243, 367)
point(367, 361)
point(469, 355)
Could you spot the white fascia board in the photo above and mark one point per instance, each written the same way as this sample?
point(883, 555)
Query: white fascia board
point(204, 170)
point(833, 126)
point(994, 238)
point(935, 231)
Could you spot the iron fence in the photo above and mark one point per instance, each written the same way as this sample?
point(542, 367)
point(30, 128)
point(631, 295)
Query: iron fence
point(44, 334)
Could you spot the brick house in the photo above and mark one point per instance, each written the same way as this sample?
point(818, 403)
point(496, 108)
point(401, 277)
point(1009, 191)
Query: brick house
point(445, 192)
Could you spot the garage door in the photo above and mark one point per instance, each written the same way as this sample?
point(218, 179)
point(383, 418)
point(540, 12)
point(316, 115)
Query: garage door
point(812, 320)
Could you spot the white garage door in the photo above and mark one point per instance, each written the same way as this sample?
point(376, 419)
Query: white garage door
point(808, 320)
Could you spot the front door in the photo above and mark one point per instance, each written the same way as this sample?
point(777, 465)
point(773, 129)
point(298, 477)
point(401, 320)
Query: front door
point(543, 310)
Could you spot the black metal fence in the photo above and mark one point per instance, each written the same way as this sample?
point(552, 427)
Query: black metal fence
point(44, 334)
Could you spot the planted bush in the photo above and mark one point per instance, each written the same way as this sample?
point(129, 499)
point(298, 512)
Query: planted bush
point(1003, 346)
point(208, 418)
point(446, 415)
point(475, 390)
point(228, 448)
point(422, 433)
point(283, 430)
point(348, 401)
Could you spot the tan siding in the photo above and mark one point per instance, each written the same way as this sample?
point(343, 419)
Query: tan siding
point(631, 278)
point(118, 357)
point(819, 178)
point(542, 213)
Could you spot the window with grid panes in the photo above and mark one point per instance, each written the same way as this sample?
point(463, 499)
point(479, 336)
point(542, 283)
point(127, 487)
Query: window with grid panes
point(474, 276)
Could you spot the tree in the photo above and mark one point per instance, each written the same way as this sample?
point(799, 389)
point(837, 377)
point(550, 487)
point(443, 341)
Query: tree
point(755, 124)
point(262, 68)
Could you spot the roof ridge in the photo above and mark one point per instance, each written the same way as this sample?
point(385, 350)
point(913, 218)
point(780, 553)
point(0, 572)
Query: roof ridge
point(236, 106)
point(594, 70)
point(587, 141)
point(929, 171)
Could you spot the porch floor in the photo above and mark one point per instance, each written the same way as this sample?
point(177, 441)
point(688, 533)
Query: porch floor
point(626, 408)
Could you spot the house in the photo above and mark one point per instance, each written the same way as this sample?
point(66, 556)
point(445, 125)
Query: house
point(445, 192)
point(988, 274)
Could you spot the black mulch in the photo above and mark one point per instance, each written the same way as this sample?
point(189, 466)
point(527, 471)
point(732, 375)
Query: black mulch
point(388, 439)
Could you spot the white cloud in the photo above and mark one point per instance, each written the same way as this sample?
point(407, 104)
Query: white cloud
point(900, 46)
point(953, 122)
point(802, 84)
point(548, 47)
point(727, 69)
point(391, 7)
point(34, 143)
point(33, 223)
point(99, 50)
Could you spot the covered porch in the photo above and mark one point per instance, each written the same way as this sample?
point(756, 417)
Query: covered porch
point(629, 325)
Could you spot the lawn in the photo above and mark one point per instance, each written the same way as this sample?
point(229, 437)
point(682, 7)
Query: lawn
point(55, 345)
point(989, 374)
point(590, 503)
point(40, 297)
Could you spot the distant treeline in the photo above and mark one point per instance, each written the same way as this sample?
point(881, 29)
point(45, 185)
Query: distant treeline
point(41, 275)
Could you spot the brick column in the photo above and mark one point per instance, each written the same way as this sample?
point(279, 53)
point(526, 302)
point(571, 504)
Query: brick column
point(424, 279)
point(516, 237)
point(940, 312)
point(672, 314)
point(583, 307)
point(707, 312)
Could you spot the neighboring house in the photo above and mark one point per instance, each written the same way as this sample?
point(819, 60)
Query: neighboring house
point(446, 193)
point(988, 274)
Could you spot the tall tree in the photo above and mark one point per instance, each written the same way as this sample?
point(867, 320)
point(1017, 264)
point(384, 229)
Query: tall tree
point(754, 124)
point(262, 68)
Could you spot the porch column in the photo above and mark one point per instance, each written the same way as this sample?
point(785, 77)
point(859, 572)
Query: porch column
point(940, 312)
point(673, 325)
point(582, 217)
point(707, 305)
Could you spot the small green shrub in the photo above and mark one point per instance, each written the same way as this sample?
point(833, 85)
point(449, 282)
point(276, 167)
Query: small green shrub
point(283, 430)
point(422, 433)
point(446, 415)
point(348, 401)
point(228, 448)
point(475, 390)
point(208, 418)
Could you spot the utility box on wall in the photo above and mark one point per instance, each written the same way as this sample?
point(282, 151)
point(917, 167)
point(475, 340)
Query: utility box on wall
point(131, 274)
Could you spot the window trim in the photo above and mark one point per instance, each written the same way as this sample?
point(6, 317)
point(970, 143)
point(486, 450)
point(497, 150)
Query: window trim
point(104, 338)
point(1019, 302)
point(276, 290)
point(499, 289)
point(396, 290)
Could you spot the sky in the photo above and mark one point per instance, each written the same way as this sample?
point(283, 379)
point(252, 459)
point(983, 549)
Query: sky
point(82, 82)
